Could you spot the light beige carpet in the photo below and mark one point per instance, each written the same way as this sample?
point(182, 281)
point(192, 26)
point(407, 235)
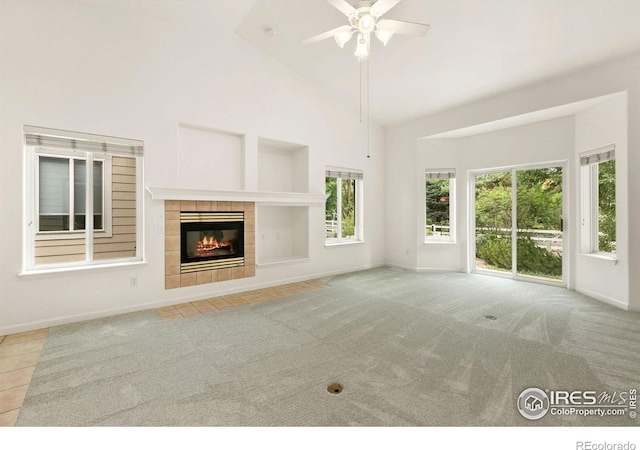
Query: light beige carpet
point(409, 349)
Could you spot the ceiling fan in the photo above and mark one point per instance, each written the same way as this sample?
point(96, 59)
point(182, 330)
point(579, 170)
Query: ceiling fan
point(365, 18)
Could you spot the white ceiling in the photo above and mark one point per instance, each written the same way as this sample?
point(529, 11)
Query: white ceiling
point(474, 49)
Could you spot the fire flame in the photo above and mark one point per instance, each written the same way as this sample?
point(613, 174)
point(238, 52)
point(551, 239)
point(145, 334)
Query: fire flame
point(209, 243)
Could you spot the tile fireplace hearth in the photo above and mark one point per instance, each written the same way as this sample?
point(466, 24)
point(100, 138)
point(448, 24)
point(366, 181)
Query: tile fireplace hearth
point(208, 241)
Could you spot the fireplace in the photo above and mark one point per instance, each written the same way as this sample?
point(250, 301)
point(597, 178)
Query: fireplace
point(211, 240)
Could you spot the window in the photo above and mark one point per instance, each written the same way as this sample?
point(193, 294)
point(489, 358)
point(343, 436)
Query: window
point(69, 174)
point(598, 171)
point(439, 205)
point(62, 190)
point(343, 208)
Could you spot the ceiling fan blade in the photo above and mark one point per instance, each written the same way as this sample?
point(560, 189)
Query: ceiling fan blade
point(343, 7)
point(326, 34)
point(382, 6)
point(402, 27)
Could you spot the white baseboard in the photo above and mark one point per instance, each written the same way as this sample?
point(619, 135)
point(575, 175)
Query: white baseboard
point(604, 298)
point(423, 269)
point(400, 266)
point(435, 269)
point(63, 320)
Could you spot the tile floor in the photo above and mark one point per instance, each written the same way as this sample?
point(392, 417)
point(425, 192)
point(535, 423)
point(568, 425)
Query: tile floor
point(19, 353)
point(191, 309)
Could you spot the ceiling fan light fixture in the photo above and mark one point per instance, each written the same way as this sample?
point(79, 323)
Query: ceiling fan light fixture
point(365, 18)
point(384, 35)
point(362, 48)
point(343, 37)
point(366, 23)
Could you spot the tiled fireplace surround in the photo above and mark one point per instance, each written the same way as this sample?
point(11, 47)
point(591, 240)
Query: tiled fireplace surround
point(172, 209)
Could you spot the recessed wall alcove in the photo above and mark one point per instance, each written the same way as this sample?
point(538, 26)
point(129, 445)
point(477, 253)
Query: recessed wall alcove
point(210, 158)
point(282, 166)
point(283, 230)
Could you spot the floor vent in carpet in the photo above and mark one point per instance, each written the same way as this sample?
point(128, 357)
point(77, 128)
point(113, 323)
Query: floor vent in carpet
point(334, 388)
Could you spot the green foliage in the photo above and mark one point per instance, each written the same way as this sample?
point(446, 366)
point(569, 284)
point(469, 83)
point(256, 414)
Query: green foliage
point(331, 206)
point(493, 201)
point(437, 210)
point(348, 198)
point(532, 260)
point(495, 250)
point(540, 199)
point(348, 207)
point(348, 226)
point(607, 206)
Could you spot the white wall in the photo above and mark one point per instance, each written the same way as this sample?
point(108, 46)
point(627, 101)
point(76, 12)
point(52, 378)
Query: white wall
point(407, 155)
point(87, 67)
point(209, 159)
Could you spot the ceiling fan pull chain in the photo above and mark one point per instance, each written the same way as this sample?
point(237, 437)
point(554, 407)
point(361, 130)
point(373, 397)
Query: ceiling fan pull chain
point(360, 82)
point(368, 117)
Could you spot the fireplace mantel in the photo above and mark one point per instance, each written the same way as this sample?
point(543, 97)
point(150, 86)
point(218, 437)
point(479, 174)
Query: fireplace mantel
point(260, 197)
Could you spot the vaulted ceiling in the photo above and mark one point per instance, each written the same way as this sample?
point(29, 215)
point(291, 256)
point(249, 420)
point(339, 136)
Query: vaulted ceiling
point(473, 50)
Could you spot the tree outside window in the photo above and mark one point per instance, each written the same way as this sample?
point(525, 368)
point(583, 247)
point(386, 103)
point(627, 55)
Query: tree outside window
point(599, 200)
point(439, 194)
point(607, 207)
point(343, 206)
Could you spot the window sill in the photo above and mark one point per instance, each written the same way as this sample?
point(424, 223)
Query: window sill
point(600, 256)
point(342, 243)
point(42, 273)
point(429, 242)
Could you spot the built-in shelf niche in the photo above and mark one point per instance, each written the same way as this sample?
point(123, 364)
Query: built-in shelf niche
point(282, 166)
point(212, 166)
point(282, 235)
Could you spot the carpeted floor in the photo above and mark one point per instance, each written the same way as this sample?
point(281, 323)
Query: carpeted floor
point(409, 349)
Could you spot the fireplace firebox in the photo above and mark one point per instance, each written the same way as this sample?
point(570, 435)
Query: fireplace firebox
point(211, 240)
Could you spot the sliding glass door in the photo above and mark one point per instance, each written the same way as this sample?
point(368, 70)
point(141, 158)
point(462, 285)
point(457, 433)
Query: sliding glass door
point(519, 222)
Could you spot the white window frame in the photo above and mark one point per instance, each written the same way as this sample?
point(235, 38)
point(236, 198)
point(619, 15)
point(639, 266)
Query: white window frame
point(57, 143)
point(439, 174)
point(106, 230)
point(340, 174)
point(589, 201)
